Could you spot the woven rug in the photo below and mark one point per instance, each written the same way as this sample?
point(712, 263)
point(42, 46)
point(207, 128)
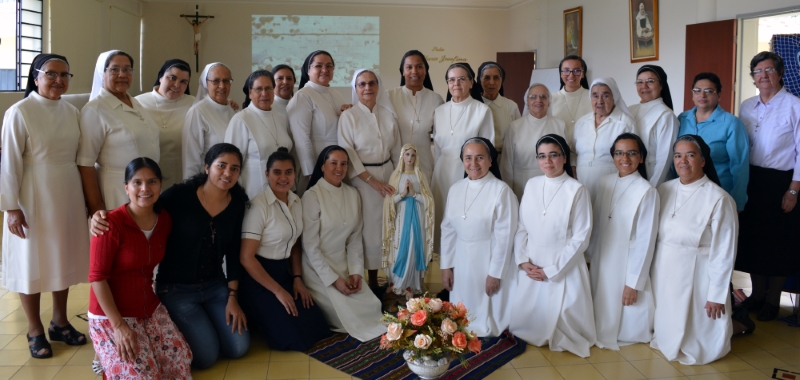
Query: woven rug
point(367, 361)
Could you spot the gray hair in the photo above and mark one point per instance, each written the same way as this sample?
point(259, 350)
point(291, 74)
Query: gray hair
point(689, 138)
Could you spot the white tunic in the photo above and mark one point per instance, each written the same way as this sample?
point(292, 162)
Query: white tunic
point(569, 107)
point(279, 104)
point(592, 146)
point(693, 264)
point(257, 134)
point(477, 241)
point(454, 124)
point(40, 177)
point(332, 249)
point(411, 278)
point(205, 127)
point(657, 126)
point(370, 138)
point(415, 118)
point(314, 120)
point(518, 162)
point(620, 252)
point(113, 134)
point(556, 311)
point(276, 225)
point(504, 111)
point(170, 117)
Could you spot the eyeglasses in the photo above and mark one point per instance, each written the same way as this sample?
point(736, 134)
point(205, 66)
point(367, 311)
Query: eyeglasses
point(649, 82)
point(217, 82)
point(454, 79)
point(552, 156)
point(320, 66)
point(173, 78)
point(118, 70)
point(53, 75)
point(575, 72)
point(768, 70)
point(542, 97)
point(707, 91)
point(259, 90)
point(371, 83)
point(630, 153)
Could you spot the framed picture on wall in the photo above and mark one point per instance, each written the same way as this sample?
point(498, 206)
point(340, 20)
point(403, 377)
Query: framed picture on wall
point(643, 19)
point(573, 31)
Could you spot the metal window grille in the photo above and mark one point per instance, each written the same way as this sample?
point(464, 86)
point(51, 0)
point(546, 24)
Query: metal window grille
point(29, 37)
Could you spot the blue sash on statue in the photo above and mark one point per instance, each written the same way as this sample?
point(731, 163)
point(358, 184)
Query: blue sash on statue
point(410, 225)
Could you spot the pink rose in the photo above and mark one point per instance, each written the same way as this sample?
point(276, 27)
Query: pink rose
point(475, 345)
point(419, 318)
point(402, 314)
point(422, 341)
point(435, 304)
point(413, 305)
point(448, 326)
point(385, 343)
point(459, 340)
point(395, 330)
point(458, 311)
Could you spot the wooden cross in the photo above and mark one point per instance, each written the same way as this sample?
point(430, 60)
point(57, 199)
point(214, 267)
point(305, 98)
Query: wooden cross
point(196, 26)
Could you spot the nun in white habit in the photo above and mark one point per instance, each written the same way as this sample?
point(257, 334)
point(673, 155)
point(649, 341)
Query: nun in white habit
point(415, 102)
point(504, 110)
point(168, 104)
point(333, 255)
point(656, 123)
point(518, 163)
point(621, 248)
point(115, 129)
point(477, 240)
point(596, 131)
point(693, 261)
point(284, 88)
point(208, 119)
point(258, 131)
point(461, 118)
point(572, 100)
point(553, 304)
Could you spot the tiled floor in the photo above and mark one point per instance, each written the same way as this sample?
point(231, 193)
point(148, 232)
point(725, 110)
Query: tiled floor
point(773, 344)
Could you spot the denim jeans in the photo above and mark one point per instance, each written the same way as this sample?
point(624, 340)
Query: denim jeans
point(199, 312)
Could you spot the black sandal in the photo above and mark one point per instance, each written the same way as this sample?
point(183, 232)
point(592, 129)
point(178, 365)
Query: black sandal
point(66, 334)
point(38, 343)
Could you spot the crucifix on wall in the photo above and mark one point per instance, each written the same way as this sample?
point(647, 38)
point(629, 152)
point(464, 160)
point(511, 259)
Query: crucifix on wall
point(195, 21)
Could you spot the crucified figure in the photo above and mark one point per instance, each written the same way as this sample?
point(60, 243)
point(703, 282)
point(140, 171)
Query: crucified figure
point(196, 26)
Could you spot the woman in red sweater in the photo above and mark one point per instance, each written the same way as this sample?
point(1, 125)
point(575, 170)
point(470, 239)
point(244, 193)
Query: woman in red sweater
point(132, 332)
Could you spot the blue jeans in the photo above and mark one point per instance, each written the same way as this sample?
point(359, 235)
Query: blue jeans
point(199, 312)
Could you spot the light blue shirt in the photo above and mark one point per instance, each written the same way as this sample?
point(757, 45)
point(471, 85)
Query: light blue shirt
point(726, 135)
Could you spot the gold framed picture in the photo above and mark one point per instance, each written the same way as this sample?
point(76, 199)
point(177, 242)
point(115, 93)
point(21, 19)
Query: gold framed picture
point(643, 19)
point(573, 31)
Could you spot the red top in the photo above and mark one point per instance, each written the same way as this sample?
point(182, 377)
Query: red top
point(125, 259)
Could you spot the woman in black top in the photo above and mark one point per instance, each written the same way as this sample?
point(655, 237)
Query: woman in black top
point(207, 212)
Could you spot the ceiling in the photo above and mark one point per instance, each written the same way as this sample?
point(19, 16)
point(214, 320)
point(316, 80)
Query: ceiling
point(486, 4)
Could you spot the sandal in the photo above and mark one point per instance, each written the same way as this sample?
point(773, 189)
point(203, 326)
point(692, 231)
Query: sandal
point(38, 343)
point(66, 334)
point(97, 367)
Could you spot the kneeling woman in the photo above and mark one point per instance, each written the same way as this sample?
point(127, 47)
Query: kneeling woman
point(132, 332)
point(333, 251)
point(274, 294)
point(553, 303)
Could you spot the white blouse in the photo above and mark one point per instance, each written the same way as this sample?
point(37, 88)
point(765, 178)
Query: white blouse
point(570, 106)
point(205, 127)
point(504, 111)
point(314, 119)
point(774, 131)
point(415, 119)
point(275, 224)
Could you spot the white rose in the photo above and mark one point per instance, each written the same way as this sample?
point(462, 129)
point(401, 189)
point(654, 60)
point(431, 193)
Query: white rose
point(448, 326)
point(413, 305)
point(435, 304)
point(395, 330)
point(422, 341)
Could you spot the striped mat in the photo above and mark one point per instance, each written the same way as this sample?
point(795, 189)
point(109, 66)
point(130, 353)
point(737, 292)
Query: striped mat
point(368, 361)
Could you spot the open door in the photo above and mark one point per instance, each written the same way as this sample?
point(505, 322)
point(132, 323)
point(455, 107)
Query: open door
point(711, 47)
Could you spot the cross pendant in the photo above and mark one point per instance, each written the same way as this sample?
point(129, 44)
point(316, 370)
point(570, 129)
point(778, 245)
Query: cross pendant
point(673, 214)
point(544, 212)
point(464, 216)
point(609, 216)
point(451, 133)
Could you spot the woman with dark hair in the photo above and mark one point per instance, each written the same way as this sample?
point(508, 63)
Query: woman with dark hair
point(131, 330)
point(625, 216)
point(257, 131)
point(656, 123)
point(724, 133)
point(333, 251)
point(414, 102)
point(115, 129)
point(456, 121)
point(284, 78)
point(478, 228)
point(693, 261)
point(572, 100)
point(168, 104)
point(553, 303)
point(273, 293)
point(772, 119)
point(207, 212)
point(490, 85)
point(45, 245)
point(314, 111)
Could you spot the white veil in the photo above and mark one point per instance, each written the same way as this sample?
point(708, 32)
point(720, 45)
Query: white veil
point(382, 98)
point(202, 89)
point(612, 84)
point(526, 110)
point(99, 68)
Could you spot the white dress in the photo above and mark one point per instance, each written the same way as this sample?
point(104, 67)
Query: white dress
point(620, 253)
point(504, 111)
point(592, 146)
point(332, 249)
point(314, 120)
point(518, 162)
point(477, 241)
point(454, 124)
point(257, 134)
point(569, 107)
point(170, 117)
point(657, 126)
point(40, 177)
point(693, 264)
point(205, 127)
point(557, 311)
point(113, 134)
point(411, 278)
point(415, 119)
point(279, 105)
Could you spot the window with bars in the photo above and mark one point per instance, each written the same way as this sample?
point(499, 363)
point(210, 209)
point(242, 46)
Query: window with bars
point(20, 41)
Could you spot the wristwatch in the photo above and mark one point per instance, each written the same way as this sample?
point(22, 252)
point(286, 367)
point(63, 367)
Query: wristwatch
point(793, 192)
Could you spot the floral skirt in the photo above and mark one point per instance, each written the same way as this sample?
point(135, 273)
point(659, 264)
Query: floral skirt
point(162, 351)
